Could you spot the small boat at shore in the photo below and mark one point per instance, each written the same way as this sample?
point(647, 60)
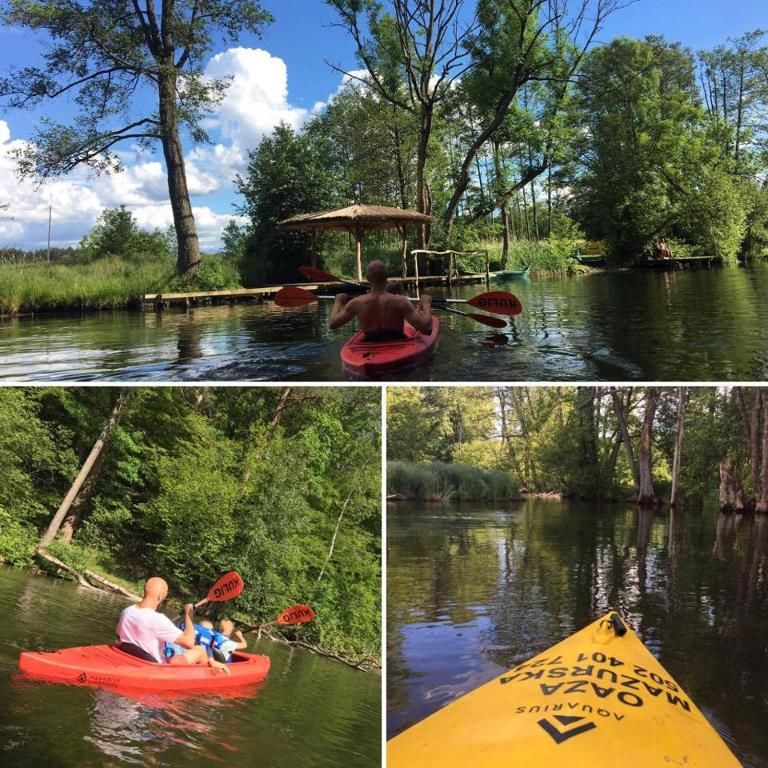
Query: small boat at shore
point(599, 697)
point(511, 274)
point(598, 262)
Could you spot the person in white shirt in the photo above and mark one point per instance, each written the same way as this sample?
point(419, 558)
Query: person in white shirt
point(142, 631)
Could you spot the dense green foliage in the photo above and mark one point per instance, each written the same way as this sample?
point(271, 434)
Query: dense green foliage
point(542, 141)
point(198, 481)
point(567, 440)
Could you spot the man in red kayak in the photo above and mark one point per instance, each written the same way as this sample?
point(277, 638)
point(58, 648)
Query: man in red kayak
point(381, 314)
point(142, 631)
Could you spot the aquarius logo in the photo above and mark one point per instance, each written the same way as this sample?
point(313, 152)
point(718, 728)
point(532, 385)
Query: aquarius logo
point(567, 727)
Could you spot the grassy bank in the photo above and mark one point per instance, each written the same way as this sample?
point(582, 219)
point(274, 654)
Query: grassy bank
point(106, 283)
point(102, 284)
point(440, 481)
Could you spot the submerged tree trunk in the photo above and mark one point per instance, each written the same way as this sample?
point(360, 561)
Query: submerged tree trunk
point(90, 465)
point(183, 219)
point(646, 496)
point(682, 397)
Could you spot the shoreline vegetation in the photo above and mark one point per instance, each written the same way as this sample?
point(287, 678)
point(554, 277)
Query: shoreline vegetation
point(656, 447)
point(108, 485)
point(114, 283)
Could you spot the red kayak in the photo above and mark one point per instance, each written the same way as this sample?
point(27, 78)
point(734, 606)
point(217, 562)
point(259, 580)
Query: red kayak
point(104, 666)
point(379, 358)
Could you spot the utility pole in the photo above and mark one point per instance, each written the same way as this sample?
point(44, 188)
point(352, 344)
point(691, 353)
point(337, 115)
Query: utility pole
point(50, 209)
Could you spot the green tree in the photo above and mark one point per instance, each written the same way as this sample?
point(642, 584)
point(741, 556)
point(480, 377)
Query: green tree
point(117, 233)
point(102, 55)
point(287, 174)
point(644, 133)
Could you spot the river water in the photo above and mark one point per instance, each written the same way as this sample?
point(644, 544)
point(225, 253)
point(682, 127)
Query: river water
point(310, 711)
point(613, 325)
point(473, 590)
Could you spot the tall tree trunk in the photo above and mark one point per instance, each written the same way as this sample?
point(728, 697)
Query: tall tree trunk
point(762, 504)
point(525, 216)
point(625, 436)
point(549, 196)
point(646, 496)
point(91, 463)
point(731, 495)
point(188, 258)
point(423, 200)
point(585, 414)
point(499, 169)
point(400, 167)
point(754, 440)
point(682, 397)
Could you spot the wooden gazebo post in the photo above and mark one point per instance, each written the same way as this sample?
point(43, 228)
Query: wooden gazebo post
point(359, 254)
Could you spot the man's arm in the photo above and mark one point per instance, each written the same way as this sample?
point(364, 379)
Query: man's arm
point(343, 310)
point(242, 644)
point(420, 316)
point(187, 638)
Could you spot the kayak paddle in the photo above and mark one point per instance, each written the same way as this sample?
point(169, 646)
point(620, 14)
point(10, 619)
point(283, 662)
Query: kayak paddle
point(227, 587)
point(293, 296)
point(498, 302)
point(319, 276)
point(300, 613)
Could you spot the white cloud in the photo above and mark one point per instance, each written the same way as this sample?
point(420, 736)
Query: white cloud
point(78, 199)
point(255, 103)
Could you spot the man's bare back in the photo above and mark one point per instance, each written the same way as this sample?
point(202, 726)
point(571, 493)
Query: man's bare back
point(381, 314)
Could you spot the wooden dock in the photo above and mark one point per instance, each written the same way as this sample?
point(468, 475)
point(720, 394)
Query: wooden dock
point(161, 301)
point(669, 265)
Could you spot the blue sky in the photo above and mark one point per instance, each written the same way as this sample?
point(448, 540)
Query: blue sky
point(282, 75)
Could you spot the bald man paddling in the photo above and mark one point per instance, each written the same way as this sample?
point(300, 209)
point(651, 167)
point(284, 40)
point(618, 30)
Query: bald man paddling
point(381, 314)
point(142, 631)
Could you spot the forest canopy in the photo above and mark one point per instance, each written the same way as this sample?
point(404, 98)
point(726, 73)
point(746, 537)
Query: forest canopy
point(649, 444)
point(521, 133)
point(196, 481)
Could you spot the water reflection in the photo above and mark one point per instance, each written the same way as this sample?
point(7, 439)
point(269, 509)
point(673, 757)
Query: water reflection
point(472, 591)
point(141, 727)
point(707, 325)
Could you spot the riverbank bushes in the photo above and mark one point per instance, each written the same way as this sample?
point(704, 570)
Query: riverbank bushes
point(282, 485)
point(432, 481)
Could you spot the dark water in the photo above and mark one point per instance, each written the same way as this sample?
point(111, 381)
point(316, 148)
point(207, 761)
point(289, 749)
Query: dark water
point(474, 590)
point(310, 711)
point(707, 326)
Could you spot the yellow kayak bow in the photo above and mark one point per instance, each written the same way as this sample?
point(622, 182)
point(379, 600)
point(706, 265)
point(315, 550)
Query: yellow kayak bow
point(598, 698)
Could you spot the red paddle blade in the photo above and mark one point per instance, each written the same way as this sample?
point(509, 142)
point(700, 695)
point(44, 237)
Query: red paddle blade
point(293, 296)
point(296, 614)
point(228, 587)
point(318, 275)
point(498, 302)
point(493, 322)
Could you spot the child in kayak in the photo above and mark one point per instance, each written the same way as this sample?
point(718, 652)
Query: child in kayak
point(223, 645)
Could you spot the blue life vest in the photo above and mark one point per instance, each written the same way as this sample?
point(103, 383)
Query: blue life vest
point(218, 640)
point(203, 637)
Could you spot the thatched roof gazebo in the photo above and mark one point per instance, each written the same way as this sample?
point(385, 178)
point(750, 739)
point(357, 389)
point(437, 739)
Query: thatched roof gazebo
point(358, 220)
